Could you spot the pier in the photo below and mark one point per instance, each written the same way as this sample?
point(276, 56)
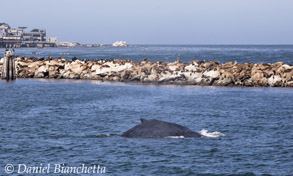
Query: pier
point(8, 66)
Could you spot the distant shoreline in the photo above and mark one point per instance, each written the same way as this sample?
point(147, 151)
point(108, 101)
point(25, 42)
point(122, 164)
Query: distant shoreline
point(134, 45)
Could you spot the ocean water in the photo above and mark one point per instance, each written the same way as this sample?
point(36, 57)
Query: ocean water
point(75, 122)
point(80, 122)
point(170, 53)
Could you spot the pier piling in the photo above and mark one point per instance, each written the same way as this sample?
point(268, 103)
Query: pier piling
point(8, 67)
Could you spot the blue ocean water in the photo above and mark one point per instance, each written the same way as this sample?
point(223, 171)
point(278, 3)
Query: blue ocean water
point(75, 122)
point(170, 53)
point(79, 122)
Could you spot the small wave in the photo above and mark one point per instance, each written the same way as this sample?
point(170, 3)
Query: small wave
point(99, 136)
point(175, 137)
point(211, 134)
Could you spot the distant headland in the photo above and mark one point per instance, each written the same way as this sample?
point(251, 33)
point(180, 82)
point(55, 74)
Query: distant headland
point(18, 37)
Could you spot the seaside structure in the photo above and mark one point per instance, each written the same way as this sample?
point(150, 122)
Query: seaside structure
point(18, 37)
point(8, 66)
point(202, 73)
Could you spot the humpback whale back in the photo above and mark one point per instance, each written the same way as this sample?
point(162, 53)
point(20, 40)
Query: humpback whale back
point(158, 129)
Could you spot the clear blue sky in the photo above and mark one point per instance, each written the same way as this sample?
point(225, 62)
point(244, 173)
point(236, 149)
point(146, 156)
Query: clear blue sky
point(156, 21)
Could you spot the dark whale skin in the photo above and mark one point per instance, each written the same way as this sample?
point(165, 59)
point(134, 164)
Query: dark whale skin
point(158, 129)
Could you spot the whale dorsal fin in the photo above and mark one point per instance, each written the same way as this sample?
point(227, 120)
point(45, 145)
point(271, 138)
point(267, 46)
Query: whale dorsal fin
point(143, 120)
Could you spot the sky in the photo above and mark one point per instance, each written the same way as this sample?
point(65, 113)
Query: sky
point(156, 21)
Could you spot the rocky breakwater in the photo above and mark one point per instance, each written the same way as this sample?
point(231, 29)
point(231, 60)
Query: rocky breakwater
point(194, 73)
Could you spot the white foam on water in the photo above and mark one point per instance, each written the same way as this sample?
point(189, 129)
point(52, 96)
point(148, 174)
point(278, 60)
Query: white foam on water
point(175, 137)
point(215, 134)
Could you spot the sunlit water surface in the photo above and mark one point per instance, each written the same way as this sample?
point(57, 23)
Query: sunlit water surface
point(80, 122)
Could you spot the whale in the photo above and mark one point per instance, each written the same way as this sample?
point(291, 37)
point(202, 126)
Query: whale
point(152, 128)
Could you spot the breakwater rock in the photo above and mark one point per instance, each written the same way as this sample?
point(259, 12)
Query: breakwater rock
point(194, 73)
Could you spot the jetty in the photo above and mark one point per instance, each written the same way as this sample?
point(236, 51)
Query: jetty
point(200, 73)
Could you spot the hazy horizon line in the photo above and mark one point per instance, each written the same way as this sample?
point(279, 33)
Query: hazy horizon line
point(186, 44)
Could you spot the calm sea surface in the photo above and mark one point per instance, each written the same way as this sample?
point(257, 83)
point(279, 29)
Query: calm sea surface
point(80, 122)
point(170, 53)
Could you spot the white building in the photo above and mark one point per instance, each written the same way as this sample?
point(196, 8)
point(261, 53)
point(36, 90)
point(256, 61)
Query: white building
point(52, 39)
